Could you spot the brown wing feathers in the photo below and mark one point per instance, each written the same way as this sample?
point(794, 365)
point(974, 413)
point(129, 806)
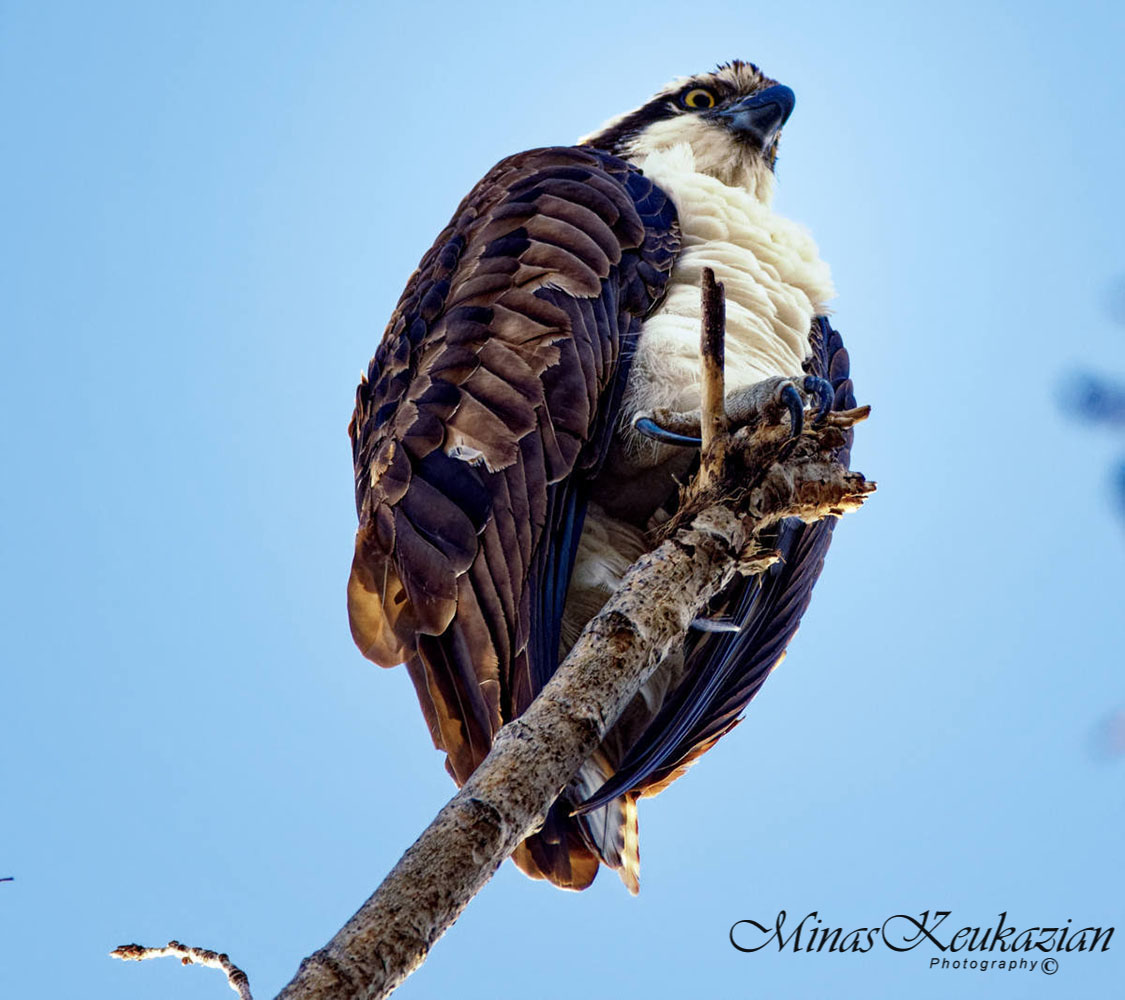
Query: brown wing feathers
point(486, 407)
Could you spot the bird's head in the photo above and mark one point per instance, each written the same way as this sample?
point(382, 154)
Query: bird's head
point(730, 118)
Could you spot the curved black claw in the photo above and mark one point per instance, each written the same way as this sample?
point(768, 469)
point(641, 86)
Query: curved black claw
point(792, 399)
point(824, 392)
point(650, 428)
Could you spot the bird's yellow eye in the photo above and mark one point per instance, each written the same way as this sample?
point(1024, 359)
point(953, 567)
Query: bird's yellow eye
point(698, 98)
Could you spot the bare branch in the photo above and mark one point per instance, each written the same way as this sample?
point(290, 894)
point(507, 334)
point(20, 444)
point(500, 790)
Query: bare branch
point(757, 476)
point(712, 349)
point(189, 956)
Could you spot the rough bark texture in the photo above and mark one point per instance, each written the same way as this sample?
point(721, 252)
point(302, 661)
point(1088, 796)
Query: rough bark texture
point(535, 755)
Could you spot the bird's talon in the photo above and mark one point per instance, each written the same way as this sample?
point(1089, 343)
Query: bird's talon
point(824, 392)
point(792, 399)
point(650, 428)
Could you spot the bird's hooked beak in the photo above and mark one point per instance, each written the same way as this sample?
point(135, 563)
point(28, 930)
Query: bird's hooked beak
point(757, 119)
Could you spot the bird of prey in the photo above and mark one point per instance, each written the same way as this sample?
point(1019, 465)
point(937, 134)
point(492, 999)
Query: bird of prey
point(508, 472)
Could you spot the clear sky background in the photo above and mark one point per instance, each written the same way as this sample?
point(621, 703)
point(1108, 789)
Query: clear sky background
point(208, 212)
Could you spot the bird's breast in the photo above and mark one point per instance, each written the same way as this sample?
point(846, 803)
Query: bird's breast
point(775, 285)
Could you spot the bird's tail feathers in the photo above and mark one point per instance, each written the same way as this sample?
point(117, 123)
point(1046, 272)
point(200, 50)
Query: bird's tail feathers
point(559, 852)
point(612, 828)
point(569, 849)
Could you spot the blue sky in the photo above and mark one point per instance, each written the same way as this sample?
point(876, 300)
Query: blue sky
point(209, 211)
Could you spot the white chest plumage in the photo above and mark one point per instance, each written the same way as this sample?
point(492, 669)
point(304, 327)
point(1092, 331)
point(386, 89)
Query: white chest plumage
point(775, 284)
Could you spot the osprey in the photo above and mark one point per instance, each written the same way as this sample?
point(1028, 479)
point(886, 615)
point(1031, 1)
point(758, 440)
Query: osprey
point(508, 471)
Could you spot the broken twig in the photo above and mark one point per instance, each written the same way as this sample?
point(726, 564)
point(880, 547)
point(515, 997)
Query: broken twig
point(189, 956)
point(713, 417)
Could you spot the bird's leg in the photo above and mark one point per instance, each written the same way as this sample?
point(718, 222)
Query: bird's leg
point(747, 407)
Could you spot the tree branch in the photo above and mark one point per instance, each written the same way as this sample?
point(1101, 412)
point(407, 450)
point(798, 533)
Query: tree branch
point(713, 416)
point(756, 476)
point(759, 476)
point(189, 956)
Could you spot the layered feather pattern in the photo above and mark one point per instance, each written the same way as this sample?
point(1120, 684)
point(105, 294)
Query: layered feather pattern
point(486, 411)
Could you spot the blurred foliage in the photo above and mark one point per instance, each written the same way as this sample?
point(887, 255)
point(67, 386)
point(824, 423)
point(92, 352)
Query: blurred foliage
point(1098, 399)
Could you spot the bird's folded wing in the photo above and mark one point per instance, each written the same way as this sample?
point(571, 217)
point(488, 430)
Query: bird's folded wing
point(487, 407)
